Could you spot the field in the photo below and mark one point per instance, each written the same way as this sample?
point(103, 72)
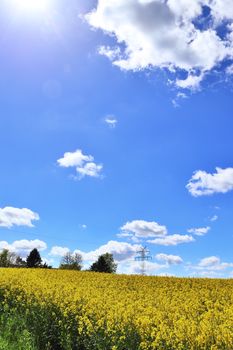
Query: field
point(52, 309)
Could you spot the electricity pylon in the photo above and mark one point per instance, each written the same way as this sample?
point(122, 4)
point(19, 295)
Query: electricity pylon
point(143, 256)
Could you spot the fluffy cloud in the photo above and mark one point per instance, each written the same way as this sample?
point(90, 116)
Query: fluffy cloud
point(144, 229)
point(229, 70)
point(191, 82)
point(59, 251)
point(138, 230)
point(135, 267)
point(210, 261)
point(73, 159)
point(24, 246)
point(49, 262)
point(222, 10)
point(211, 264)
point(172, 240)
point(10, 216)
point(166, 34)
point(169, 259)
point(121, 251)
point(203, 183)
point(201, 231)
point(89, 169)
point(83, 164)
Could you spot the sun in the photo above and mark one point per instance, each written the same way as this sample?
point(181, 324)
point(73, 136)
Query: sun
point(31, 6)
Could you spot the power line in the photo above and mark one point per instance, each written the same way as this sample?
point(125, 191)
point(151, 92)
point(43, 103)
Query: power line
point(143, 256)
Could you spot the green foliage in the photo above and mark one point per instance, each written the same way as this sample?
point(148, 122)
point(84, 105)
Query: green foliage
point(14, 334)
point(105, 263)
point(9, 259)
point(20, 262)
point(46, 266)
point(34, 259)
point(71, 262)
point(4, 261)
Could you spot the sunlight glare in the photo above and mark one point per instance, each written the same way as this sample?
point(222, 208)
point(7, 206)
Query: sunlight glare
point(31, 6)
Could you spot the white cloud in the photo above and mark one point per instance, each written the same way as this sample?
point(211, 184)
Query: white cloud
point(111, 121)
point(180, 8)
point(121, 251)
point(59, 251)
point(191, 82)
point(138, 230)
point(214, 218)
point(203, 183)
point(135, 267)
point(229, 70)
point(165, 34)
point(10, 216)
point(124, 235)
point(24, 246)
point(213, 263)
point(179, 96)
point(74, 159)
point(210, 261)
point(201, 231)
point(144, 229)
point(89, 169)
point(222, 9)
point(111, 53)
point(27, 245)
point(210, 267)
point(170, 259)
point(172, 240)
point(130, 236)
point(83, 164)
point(4, 245)
point(47, 261)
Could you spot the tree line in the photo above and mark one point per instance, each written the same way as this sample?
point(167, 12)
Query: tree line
point(104, 263)
point(11, 259)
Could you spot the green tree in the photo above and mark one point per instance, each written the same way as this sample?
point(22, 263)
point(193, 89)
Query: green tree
point(34, 259)
point(4, 260)
point(8, 259)
point(71, 262)
point(19, 262)
point(105, 263)
point(46, 266)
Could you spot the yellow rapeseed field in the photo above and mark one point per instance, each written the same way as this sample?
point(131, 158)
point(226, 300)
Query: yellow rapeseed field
point(88, 311)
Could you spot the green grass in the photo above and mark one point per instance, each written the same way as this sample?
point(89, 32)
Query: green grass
point(13, 333)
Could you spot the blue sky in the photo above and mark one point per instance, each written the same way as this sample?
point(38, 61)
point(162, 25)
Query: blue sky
point(116, 132)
